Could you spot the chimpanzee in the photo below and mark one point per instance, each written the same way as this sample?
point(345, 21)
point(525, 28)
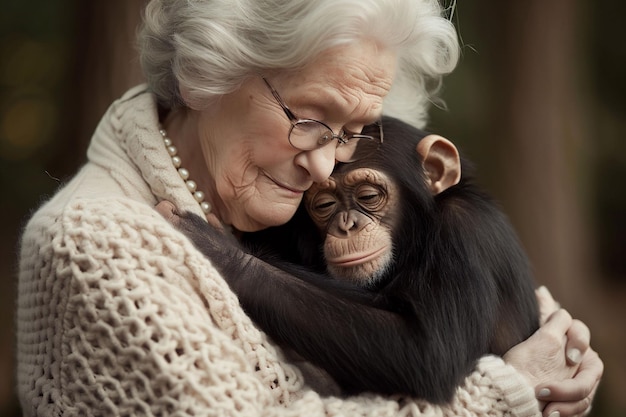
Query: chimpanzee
point(425, 274)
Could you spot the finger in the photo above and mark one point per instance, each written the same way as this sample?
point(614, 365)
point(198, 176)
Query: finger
point(168, 210)
point(578, 339)
point(214, 221)
point(558, 323)
point(569, 409)
point(579, 388)
point(569, 390)
point(572, 408)
point(547, 304)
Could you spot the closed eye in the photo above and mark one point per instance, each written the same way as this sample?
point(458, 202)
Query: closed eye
point(370, 197)
point(322, 207)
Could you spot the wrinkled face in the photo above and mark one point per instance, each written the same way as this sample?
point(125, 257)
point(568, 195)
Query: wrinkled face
point(259, 178)
point(356, 211)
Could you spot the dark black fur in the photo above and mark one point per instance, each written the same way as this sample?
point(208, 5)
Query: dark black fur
point(461, 286)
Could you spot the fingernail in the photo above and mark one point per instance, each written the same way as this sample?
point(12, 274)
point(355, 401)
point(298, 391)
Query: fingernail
point(574, 355)
point(555, 414)
point(543, 392)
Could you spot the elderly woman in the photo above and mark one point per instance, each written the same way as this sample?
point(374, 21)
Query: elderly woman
point(118, 314)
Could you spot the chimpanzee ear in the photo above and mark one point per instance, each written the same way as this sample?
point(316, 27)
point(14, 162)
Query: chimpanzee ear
point(442, 163)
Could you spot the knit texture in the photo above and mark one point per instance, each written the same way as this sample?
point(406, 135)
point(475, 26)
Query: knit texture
point(119, 315)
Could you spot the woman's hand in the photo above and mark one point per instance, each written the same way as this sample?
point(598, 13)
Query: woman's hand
point(558, 361)
point(573, 397)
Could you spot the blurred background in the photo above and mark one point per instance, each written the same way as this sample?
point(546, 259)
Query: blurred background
point(538, 102)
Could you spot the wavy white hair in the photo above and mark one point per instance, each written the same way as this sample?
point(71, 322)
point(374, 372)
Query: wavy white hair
point(207, 48)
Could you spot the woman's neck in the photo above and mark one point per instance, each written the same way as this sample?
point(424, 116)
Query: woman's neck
point(182, 128)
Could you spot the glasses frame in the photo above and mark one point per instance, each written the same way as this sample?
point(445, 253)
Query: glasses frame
point(342, 137)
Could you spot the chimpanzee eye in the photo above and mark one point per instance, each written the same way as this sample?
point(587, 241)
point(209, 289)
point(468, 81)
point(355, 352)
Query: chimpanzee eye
point(370, 197)
point(322, 206)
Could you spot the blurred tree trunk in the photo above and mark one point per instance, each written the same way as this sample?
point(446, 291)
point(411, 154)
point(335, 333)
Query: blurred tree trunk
point(111, 64)
point(106, 66)
point(541, 129)
point(542, 144)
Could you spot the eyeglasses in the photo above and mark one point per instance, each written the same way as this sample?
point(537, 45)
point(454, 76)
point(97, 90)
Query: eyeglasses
point(310, 134)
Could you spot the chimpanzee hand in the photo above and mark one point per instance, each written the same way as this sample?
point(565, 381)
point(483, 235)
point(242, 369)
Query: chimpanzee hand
point(209, 237)
point(168, 210)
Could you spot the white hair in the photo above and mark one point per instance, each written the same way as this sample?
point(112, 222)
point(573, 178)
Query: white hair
point(207, 48)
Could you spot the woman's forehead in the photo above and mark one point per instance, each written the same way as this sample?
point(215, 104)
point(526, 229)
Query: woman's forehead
point(356, 77)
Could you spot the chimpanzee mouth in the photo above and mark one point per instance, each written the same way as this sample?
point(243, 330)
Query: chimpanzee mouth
point(357, 258)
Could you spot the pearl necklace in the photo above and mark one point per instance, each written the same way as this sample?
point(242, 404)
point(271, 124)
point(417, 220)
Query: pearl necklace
point(184, 173)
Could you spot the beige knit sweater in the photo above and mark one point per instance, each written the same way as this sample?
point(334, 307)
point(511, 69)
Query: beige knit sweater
point(119, 315)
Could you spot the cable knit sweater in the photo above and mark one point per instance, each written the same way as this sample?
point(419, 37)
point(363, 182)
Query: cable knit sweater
point(119, 315)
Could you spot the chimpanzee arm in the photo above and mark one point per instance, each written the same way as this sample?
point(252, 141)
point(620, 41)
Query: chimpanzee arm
point(336, 326)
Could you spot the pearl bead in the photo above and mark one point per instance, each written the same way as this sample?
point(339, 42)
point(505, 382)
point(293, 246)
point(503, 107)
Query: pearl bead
point(191, 186)
point(199, 196)
point(184, 173)
point(206, 207)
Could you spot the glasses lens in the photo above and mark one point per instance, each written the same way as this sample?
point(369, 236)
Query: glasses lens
point(309, 134)
point(349, 150)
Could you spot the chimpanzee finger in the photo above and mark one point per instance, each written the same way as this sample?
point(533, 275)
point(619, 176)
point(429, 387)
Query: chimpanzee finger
point(215, 222)
point(168, 210)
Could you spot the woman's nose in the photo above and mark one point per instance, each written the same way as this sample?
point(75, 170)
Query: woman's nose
point(319, 162)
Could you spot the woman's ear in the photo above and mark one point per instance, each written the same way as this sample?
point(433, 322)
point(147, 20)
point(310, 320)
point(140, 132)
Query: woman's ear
point(442, 163)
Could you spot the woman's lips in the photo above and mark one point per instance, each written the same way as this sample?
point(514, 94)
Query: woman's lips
point(295, 190)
